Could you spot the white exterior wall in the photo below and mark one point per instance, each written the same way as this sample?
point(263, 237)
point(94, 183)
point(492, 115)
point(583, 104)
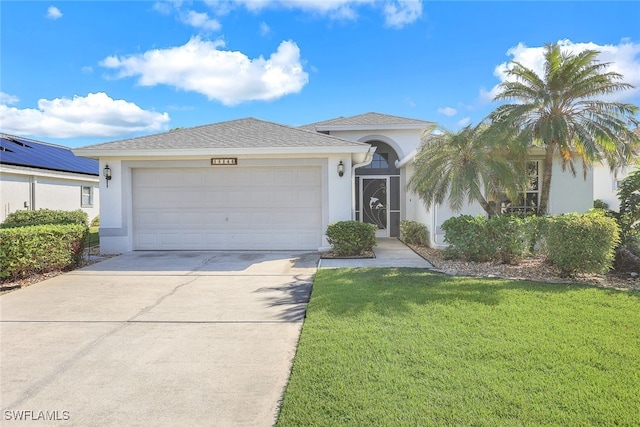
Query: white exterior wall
point(15, 193)
point(40, 189)
point(569, 193)
point(605, 185)
point(402, 141)
point(116, 216)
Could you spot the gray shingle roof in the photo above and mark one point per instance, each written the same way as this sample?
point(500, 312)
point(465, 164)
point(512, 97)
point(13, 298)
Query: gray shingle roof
point(312, 126)
point(241, 133)
point(371, 119)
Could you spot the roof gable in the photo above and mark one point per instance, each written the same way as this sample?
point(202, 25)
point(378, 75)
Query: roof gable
point(370, 121)
point(36, 154)
point(248, 133)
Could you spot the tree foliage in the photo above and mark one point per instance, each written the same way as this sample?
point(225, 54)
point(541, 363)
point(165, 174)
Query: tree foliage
point(472, 165)
point(562, 112)
point(629, 215)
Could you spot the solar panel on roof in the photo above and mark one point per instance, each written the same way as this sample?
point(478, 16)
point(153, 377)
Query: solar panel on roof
point(20, 152)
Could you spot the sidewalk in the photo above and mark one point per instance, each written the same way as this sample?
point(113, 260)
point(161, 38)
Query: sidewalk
point(390, 252)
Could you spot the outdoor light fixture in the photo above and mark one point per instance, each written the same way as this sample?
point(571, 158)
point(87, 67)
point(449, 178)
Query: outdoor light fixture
point(107, 174)
point(340, 168)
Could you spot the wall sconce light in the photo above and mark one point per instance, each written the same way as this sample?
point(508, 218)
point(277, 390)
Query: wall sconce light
point(340, 169)
point(107, 174)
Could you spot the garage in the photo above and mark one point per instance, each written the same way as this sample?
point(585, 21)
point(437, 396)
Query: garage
point(227, 208)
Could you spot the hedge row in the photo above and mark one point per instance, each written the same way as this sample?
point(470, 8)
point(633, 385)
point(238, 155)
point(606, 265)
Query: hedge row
point(37, 249)
point(502, 238)
point(25, 218)
point(573, 243)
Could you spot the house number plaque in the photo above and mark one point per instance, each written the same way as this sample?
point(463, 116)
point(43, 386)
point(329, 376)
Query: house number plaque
point(224, 161)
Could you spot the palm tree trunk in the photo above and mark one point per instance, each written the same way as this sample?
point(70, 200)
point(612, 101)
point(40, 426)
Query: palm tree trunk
point(486, 206)
point(546, 179)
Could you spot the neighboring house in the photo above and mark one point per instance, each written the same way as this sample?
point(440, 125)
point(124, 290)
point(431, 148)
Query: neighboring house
point(38, 175)
point(251, 184)
point(606, 182)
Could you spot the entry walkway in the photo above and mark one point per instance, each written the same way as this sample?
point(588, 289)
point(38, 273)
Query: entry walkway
point(390, 252)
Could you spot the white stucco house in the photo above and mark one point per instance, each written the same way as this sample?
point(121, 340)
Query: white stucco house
point(249, 184)
point(38, 175)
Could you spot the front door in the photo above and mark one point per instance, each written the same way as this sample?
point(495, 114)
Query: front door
point(374, 203)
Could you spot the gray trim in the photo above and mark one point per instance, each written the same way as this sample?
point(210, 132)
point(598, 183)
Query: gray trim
point(113, 231)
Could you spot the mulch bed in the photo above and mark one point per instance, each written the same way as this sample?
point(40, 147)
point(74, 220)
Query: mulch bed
point(332, 255)
point(535, 269)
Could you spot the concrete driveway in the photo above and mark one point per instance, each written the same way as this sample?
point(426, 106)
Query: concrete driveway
point(155, 338)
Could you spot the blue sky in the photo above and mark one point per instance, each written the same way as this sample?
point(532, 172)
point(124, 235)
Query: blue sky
point(78, 73)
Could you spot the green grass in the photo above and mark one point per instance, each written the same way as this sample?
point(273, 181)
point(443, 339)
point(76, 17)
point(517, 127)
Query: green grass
point(93, 238)
point(395, 347)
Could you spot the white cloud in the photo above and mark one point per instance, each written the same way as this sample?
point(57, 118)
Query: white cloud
point(399, 13)
point(463, 122)
point(96, 115)
point(7, 99)
point(624, 58)
point(227, 76)
point(53, 13)
point(163, 7)
point(448, 111)
point(336, 9)
point(264, 29)
point(200, 20)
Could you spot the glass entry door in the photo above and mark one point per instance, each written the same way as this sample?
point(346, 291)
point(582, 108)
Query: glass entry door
point(374, 203)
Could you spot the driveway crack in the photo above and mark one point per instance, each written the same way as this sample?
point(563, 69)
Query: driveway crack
point(65, 366)
point(161, 299)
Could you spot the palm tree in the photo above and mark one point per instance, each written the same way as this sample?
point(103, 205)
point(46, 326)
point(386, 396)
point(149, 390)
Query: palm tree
point(472, 164)
point(560, 112)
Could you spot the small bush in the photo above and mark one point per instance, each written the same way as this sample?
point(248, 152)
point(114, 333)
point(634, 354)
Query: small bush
point(468, 238)
point(25, 251)
point(535, 229)
point(95, 222)
point(508, 235)
point(581, 243)
point(414, 233)
point(351, 238)
point(600, 204)
point(502, 238)
point(25, 218)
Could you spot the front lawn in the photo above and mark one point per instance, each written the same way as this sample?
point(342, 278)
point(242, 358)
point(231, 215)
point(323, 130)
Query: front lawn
point(93, 238)
point(390, 347)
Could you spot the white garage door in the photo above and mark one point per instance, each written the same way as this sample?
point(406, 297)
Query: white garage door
point(227, 208)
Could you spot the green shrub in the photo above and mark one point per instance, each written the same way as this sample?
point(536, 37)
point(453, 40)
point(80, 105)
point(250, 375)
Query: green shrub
point(26, 218)
point(95, 222)
point(508, 235)
point(600, 204)
point(629, 216)
point(25, 251)
point(351, 238)
point(581, 243)
point(504, 238)
point(468, 238)
point(535, 229)
point(414, 233)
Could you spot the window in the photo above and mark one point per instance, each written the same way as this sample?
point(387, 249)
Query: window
point(86, 197)
point(380, 161)
point(528, 201)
